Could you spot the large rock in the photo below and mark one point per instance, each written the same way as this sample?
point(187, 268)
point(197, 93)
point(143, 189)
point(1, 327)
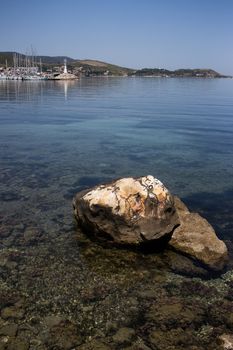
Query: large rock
point(137, 210)
point(128, 211)
point(197, 238)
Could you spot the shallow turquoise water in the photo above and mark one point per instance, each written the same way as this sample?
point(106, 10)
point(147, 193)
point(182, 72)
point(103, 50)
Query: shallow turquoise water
point(59, 288)
point(66, 135)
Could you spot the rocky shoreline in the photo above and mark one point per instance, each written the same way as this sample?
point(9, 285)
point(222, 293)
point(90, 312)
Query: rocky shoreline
point(54, 298)
point(62, 290)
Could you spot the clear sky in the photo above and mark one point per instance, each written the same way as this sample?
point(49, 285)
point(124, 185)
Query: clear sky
point(133, 33)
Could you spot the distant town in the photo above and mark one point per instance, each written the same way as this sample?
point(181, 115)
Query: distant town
point(17, 66)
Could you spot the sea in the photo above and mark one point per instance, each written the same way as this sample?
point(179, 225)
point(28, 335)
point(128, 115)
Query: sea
point(60, 289)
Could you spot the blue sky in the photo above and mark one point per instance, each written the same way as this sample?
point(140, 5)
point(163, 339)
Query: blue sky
point(141, 33)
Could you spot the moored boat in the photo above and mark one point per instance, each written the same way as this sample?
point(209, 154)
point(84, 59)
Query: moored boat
point(34, 77)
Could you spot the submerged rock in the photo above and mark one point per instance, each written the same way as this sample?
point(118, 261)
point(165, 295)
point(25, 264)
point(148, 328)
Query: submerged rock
point(197, 238)
point(124, 335)
point(226, 341)
point(139, 210)
point(128, 211)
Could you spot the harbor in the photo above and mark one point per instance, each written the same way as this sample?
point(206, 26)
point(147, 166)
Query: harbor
point(27, 67)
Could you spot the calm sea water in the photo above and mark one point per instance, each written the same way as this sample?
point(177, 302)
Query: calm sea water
point(57, 138)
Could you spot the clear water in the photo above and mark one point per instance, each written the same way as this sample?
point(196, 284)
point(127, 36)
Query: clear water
point(57, 138)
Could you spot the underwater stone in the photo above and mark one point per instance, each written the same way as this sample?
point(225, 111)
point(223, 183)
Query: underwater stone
point(94, 344)
point(9, 330)
point(12, 312)
point(197, 238)
point(124, 335)
point(226, 341)
point(128, 211)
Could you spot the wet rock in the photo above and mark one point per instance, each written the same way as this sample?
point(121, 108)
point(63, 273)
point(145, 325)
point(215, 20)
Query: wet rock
point(36, 344)
point(226, 342)
point(17, 344)
point(205, 334)
point(8, 263)
point(8, 297)
point(173, 312)
point(9, 330)
point(221, 312)
point(197, 288)
point(138, 345)
point(52, 320)
point(197, 238)
point(10, 196)
point(128, 211)
point(139, 210)
point(124, 335)
point(175, 339)
point(147, 294)
point(63, 336)
point(4, 232)
point(94, 345)
point(19, 228)
point(30, 235)
point(181, 264)
point(4, 342)
point(12, 312)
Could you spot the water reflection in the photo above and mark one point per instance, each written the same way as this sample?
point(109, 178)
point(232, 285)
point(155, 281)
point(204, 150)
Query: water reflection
point(21, 90)
point(18, 90)
point(66, 84)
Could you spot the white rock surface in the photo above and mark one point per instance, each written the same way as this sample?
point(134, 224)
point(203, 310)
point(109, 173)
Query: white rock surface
point(129, 210)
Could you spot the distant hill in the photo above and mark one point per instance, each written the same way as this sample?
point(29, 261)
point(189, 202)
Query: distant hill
point(156, 72)
point(93, 67)
point(93, 63)
point(6, 57)
point(45, 59)
point(54, 59)
point(90, 67)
